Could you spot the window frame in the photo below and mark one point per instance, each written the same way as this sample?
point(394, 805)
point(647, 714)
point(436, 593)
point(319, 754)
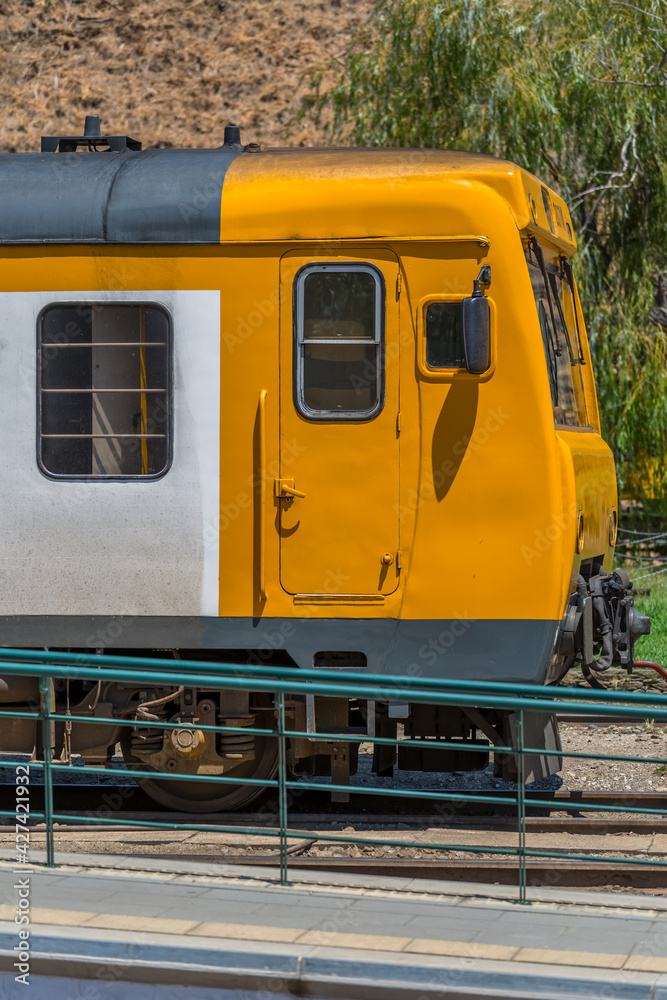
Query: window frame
point(299, 342)
point(169, 423)
point(429, 374)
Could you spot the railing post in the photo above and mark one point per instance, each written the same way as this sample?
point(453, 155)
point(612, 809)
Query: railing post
point(521, 804)
point(282, 788)
point(45, 713)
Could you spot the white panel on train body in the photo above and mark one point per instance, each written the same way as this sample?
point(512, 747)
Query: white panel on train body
point(105, 547)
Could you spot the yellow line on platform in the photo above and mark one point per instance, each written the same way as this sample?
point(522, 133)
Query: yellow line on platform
point(336, 939)
point(551, 956)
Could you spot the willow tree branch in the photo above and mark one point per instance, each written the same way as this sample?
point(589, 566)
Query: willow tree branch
point(632, 6)
point(551, 163)
point(631, 83)
point(629, 144)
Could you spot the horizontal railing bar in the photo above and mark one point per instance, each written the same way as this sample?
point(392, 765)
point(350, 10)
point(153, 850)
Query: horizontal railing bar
point(359, 738)
point(351, 689)
point(11, 813)
point(251, 730)
point(359, 680)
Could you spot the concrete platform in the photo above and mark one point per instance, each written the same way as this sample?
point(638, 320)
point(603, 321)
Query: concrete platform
point(153, 929)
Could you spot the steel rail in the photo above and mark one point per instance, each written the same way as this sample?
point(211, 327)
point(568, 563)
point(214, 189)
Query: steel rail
point(553, 874)
point(603, 720)
point(594, 825)
point(283, 834)
point(559, 801)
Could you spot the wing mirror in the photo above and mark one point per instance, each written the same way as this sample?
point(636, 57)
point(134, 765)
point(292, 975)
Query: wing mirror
point(477, 325)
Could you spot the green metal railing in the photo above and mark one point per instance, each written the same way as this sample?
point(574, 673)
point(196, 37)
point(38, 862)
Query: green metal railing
point(281, 682)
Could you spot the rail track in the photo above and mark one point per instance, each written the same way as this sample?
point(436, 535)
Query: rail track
point(534, 824)
point(577, 719)
point(128, 802)
point(123, 805)
point(549, 872)
point(119, 796)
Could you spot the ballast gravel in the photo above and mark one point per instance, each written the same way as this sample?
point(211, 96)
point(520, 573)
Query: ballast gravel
point(589, 773)
point(614, 775)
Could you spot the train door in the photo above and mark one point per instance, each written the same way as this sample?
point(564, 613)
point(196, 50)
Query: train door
point(337, 498)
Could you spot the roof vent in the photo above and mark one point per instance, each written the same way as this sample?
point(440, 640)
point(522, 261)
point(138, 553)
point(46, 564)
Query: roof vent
point(232, 137)
point(92, 138)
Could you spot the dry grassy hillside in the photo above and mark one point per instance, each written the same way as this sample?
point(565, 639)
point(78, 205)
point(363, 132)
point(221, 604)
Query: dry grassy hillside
point(167, 73)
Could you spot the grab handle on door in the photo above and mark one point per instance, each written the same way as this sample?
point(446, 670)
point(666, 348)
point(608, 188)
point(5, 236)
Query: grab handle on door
point(262, 492)
point(284, 488)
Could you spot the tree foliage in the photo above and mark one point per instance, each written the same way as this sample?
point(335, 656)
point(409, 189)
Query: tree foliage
point(577, 93)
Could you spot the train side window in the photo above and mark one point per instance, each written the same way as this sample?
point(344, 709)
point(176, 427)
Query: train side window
point(556, 311)
point(104, 390)
point(339, 327)
point(444, 335)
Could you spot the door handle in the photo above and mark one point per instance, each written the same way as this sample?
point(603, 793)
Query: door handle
point(284, 488)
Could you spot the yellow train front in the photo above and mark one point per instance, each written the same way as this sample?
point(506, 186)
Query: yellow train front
point(303, 407)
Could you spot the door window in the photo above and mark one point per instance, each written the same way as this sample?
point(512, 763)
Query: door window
point(339, 321)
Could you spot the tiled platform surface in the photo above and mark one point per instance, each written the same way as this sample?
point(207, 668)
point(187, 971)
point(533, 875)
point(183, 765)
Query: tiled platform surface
point(153, 928)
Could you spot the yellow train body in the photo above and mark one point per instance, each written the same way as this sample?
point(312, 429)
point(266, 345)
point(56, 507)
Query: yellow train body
point(463, 480)
point(415, 514)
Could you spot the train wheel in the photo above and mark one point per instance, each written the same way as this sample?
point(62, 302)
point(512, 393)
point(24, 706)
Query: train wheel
point(204, 796)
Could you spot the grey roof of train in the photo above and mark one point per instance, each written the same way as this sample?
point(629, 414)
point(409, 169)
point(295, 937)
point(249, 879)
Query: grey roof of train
point(152, 196)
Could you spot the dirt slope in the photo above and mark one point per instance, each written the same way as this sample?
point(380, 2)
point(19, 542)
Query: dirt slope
point(167, 73)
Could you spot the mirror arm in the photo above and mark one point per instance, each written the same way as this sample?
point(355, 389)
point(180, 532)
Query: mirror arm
point(483, 278)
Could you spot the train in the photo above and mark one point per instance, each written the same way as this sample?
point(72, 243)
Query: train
point(304, 407)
